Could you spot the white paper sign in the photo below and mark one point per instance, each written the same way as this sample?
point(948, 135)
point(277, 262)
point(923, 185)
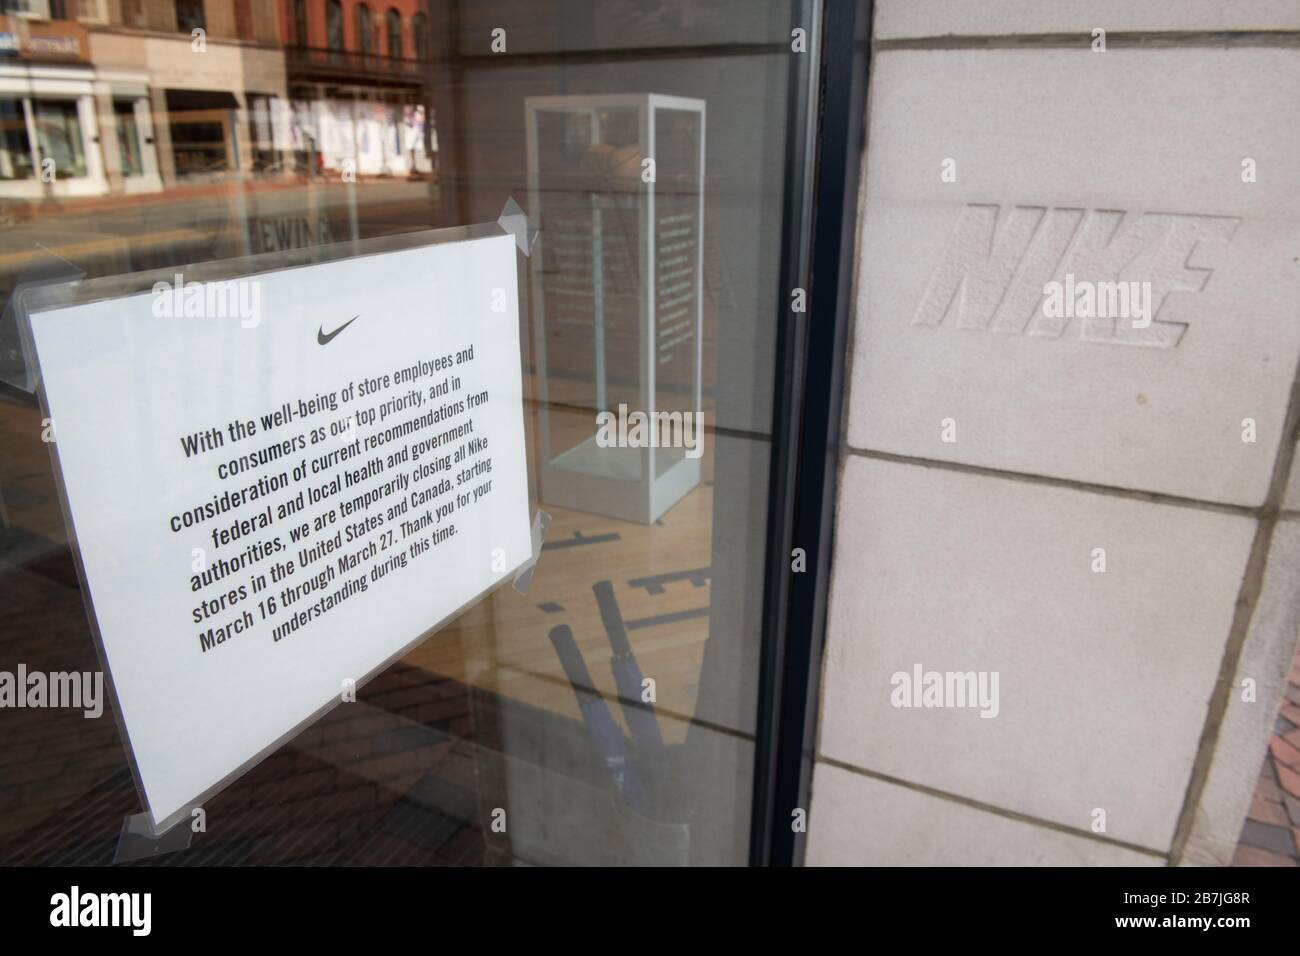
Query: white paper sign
point(279, 483)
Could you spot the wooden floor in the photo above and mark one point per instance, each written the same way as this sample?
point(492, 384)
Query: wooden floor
point(503, 645)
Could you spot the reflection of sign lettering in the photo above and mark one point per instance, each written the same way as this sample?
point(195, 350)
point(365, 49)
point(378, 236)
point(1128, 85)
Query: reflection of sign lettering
point(290, 232)
point(54, 46)
point(35, 40)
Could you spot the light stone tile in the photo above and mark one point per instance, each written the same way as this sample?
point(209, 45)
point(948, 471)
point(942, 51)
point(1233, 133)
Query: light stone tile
point(1247, 725)
point(860, 821)
point(1106, 167)
point(931, 18)
point(1103, 678)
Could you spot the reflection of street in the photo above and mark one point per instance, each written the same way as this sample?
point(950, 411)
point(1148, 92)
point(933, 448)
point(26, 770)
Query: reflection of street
point(137, 99)
point(115, 235)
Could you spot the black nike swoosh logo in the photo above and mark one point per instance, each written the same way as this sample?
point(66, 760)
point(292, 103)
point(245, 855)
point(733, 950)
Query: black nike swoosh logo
point(324, 339)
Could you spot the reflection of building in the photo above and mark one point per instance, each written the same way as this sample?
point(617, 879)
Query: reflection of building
point(200, 65)
point(355, 80)
point(124, 96)
point(129, 95)
point(48, 120)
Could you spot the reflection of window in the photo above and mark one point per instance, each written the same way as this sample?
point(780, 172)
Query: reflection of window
point(363, 28)
point(394, 33)
point(198, 142)
point(300, 22)
point(15, 147)
point(189, 15)
point(202, 130)
point(133, 13)
point(422, 50)
point(58, 136)
point(262, 138)
point(128, 138)
point(91, 11)
point(244, 20)
point(334, 25)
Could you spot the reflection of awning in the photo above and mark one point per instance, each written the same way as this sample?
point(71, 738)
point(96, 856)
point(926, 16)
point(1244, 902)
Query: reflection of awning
point(187, 100)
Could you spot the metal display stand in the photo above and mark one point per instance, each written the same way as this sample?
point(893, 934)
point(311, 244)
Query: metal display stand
point(617, 185)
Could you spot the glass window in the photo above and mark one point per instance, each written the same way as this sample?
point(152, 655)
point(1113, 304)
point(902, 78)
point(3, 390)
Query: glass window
point(334, 24)
point(15, 147)
point(394, 33)
point(300, 22)
point(133, 13)
point(128, 138)
point(244, 20)
point(189, 16)
point(58, 136)
point(363, 28)
point(202, 135)
point(261, 115)
point(421, 30)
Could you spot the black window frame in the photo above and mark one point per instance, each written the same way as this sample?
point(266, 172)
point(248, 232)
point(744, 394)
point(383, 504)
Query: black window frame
point(822, 172)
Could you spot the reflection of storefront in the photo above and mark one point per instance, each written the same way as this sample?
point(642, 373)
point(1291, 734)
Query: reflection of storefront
point(202, 126)
point(202, 106)
point(49, 143)
point(379, 134)
point(366, 110)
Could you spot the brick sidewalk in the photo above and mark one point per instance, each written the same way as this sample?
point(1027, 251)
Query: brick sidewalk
point(1271, 836)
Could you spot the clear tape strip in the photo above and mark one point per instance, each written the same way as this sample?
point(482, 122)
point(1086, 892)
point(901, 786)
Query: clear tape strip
point(524, 576)
point(514, 220)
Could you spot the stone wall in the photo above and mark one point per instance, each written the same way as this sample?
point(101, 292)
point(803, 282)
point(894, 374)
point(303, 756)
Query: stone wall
point(1083, 499)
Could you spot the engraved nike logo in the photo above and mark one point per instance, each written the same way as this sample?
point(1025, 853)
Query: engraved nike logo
point(324, 339)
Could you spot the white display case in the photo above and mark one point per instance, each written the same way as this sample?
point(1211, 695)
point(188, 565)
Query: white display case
point(617, 296)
